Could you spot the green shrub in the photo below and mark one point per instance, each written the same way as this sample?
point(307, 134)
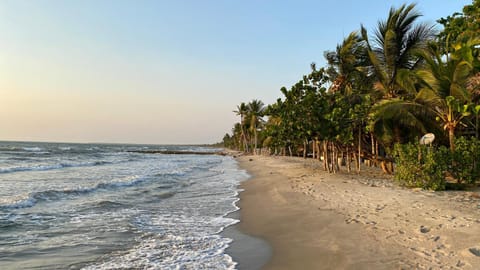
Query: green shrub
point(434, 167)
point(421, 166)
point(425, 166)
point(466, 160)
point(407, 169)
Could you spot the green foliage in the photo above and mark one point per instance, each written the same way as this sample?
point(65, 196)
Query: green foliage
point(382, 88)
point(461, 25)
point(426, 167)
point(421, 166)
point(466, 160)
point(228, 141)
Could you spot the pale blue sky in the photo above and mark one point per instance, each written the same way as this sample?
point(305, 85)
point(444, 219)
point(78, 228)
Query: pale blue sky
point(162, 71)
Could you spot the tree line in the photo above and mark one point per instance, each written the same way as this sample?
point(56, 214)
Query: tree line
point(379, 89)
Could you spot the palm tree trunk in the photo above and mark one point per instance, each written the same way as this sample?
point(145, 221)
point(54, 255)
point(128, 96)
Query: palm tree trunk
point(451, 138)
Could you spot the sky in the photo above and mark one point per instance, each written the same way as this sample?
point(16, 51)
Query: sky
point(163, 72)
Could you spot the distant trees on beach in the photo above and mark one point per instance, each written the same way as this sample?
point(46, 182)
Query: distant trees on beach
point(380, 89)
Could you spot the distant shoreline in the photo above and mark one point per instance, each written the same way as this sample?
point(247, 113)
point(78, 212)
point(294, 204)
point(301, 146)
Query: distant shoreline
point(179, 152)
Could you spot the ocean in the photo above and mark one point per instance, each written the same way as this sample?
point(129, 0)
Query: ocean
point(99, 206)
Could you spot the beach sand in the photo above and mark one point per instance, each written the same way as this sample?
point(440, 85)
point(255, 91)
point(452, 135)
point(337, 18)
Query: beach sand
point(315, 220)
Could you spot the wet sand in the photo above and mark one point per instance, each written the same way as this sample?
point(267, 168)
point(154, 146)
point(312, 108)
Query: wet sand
point(315, 220)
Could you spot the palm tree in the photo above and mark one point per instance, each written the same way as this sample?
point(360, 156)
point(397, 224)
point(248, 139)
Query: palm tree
point(242, 111)
point(349, 78)
point(394, 57)
point(393, 51)
point(345, 64)
point(445, 81)
point(255, 111)
point(443, 93)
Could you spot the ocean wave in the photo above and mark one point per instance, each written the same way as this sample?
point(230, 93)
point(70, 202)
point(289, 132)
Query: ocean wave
point(52, 167)
point(172, 252)
point(54, 195)
point(6, 224)
point(110, 204)
point(32, 149)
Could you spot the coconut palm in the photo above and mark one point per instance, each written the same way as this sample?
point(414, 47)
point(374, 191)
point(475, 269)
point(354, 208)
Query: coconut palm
point(345, 64)
point(242, 111)
point(393, 50)
point(394, 56)
point(443, 93)
point(445, 80)
point(255, 110)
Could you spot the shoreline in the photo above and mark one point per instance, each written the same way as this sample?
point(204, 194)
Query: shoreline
point(250, 253)
point(315, 220)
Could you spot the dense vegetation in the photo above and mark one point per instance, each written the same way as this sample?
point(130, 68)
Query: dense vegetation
point(378, 94)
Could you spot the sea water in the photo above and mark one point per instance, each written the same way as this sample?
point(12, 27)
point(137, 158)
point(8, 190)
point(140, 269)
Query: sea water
point(100, 206)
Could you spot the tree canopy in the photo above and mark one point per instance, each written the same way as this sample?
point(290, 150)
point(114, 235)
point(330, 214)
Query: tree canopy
point(380, 87)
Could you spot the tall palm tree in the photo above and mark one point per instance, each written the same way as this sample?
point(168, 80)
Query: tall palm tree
point(255, 110)
point(443, 91)
point(394, 56)
point(393, 50)
point(346, 70)
point(242, 111)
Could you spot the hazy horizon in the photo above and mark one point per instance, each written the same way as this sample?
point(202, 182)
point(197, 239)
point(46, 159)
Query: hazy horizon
point(162, 72)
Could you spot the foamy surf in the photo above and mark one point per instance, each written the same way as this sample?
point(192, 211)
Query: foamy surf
point(102, 207)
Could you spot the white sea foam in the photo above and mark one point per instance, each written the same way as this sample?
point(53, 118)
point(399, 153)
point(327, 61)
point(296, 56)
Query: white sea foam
point(17, 202)
point(139, 212)
point(172, 252)
point(33, 149)
point(46, 167)
point(58, 194)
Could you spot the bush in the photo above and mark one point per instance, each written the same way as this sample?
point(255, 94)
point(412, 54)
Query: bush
point(425, 167)
point(421, 166)
point(466, 160)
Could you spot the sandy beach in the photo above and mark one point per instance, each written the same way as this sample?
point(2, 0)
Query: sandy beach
point(315, 220)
